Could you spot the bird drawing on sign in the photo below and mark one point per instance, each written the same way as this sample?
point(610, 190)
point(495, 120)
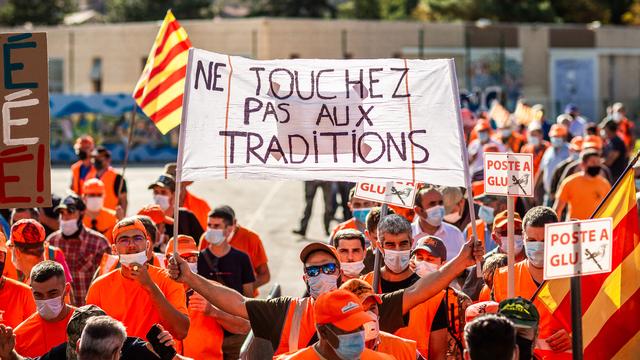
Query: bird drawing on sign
point(594, 255)
point(401, 194)
point(524, 180)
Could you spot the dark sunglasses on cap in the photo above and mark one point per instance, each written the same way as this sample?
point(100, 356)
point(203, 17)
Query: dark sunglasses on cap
point(314, 270)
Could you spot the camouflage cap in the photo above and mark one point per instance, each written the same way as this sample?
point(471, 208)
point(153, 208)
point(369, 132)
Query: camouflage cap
point(79, 319)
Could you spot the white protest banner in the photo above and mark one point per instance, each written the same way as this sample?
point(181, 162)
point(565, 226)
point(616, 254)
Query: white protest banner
point(395, 193)
point(348, 120)
point(508, 174)
point(577, 248)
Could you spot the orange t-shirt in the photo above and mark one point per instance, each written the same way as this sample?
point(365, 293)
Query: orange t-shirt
point(198, 206)
point(582, 194)
point(104, 223)
point(246, 241)
point(127, 301)
point(16, 302)
point(36, 336)
point(204, 340)
point(485, 294)
point(400, 348)
point(310, 354)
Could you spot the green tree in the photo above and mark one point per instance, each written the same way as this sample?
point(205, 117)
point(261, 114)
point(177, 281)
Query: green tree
point(496, 10)
point(147, 10)
point(294, 8)
point(37, 12)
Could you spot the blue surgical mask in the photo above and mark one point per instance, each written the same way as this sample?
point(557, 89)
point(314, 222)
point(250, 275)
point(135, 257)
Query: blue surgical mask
point(361, 214)
point(535, 252)
point(557, 142)
point(637, 184)
point(435, 215)
point(533, 140)
point(483, 136)
point(517, 239)
point(486, 214)
point(350, 346)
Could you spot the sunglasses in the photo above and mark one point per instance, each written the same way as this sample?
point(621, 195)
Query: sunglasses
point(328, 269)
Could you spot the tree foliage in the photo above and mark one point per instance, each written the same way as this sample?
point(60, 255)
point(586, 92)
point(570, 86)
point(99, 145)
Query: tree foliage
point(37, 12)
point(147, 10)
point(294, 8)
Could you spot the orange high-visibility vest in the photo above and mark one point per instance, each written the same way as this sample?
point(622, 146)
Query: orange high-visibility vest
point(76, 182)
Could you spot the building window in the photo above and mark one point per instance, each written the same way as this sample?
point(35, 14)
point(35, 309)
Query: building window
point(56, 75)
point(96, 75)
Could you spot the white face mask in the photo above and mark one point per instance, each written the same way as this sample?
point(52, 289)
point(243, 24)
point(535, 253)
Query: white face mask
point(95, 203)
point(162, 201)
point(617, 117)
point(214, 236)
point(434, 215)
point(517, 239)
point(397, 261)
point(137, 258)
point(352, 269)
point(424, 268)
point(50, 308)
point(69, 227)
point(322, 283)
point(453, 217)
point(193, 267)
point(372, 328)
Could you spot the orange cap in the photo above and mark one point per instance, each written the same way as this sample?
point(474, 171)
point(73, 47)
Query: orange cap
point(592, 142)
point(319, 246)
point(576, 144)
point(93, 187)
point(482, 124)
point(502, 218)
point(558, 130)
point(481, 308)
point(186, 245)
point(27, 231)
point(125, 225)
point(84, 140)
point(341, 309)
point(156, 214)
point(361, 289)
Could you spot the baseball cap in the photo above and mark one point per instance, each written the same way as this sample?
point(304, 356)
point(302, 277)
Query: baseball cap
point(482, 124)
point(341, 309)
point(84, 140)
point(71, 203)
point(93, 187)
point(164, 181)
point(576, 144)
point(27, 231)
point(521, 311)
point(186, 245)
point(361, 289)
point(592, 142)
point(502, 218)
point(433, 245)
point(318, 246)
point(557, 130)
point(79, 319)
point(486, 198)
point(156, 214)
point(534, 126)
point(481, 308)
point(50, 211)
point(126, 225)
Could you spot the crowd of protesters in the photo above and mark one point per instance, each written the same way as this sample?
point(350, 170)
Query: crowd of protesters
point(81, 280)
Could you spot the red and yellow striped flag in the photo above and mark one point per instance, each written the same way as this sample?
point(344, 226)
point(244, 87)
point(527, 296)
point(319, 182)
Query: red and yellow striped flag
point(610, 302)
point(161, 86)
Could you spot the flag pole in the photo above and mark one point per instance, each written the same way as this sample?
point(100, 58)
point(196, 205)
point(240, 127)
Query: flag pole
point(125, 161)
point(465, 159)
point(604, 200)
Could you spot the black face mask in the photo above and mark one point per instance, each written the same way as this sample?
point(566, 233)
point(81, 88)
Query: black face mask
point(593, 171)
point(99, 164)
point(83, 155)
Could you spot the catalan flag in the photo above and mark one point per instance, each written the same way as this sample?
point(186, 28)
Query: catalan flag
point(610, 302)
point(161, 86)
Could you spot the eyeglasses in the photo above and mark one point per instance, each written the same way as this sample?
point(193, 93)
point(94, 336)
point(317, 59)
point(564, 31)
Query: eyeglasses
point(314, 270)
point(126, 241)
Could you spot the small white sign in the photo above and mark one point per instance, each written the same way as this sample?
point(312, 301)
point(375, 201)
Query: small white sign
point(395, 193)
point(577, 248)
point(508, 174)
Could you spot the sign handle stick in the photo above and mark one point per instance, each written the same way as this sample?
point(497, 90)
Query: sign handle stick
point(511, 256)
point(125, 161)
point(384, 210)
point(183, 125)
point(465, 159)
point(576, 317)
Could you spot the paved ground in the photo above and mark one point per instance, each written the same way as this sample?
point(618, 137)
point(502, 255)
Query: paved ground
point(271, 208)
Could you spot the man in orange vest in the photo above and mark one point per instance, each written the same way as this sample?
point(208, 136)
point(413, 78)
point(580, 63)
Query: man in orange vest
point(47, 327)
point(554, 339)
point(83, 168)
point(625, 126)
point(97, 217)
point(289, 324)
point(113, 199)
point(400, 348)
